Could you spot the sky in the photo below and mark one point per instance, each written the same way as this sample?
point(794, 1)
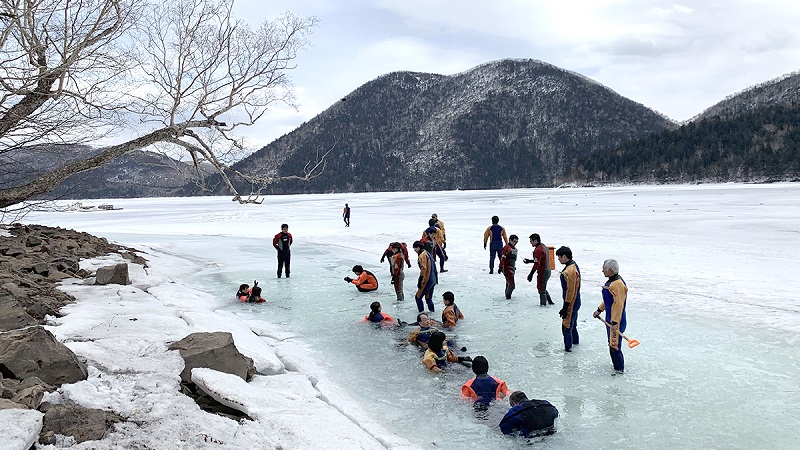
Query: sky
point(677, 58)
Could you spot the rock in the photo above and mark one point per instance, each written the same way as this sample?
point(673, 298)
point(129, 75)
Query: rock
point(31, 391)
point(8, 404)
point(12, 314)
point(41, 268)
point(213, 351)
point(84, 424)
point(116, 274)
point(35, 352)
point(70, 265)
point(32, 241)
point(134, 258)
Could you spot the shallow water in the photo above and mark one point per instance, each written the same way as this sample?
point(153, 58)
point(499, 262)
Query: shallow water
point(713, 308)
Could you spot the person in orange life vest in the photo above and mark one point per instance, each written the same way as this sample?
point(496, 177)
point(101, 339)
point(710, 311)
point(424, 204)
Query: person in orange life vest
point(282, 243)
point(243, 292)
point(508, 263)
point(422, 335)
point(389, 253)
point(398, 275)
point(498, 238)
point(451, 314)
point(571, 289)
point(440, 225)
point(433, 238)
point(365, 281)
point(438, 355)
point(376, 315)
point(615, 296)
point(541, 267)
point(427, 277)
point(255, 295)
point(484, 388)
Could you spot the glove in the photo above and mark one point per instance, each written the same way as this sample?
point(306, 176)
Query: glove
point(464, 358)
point(499, 270)
point(348, 279)
point(563, 311)
point(596, 314)
point(382, 258)
point(530, 277)
point(392, 281)
point(255, 283)
point(527, 261)
point(409, 266)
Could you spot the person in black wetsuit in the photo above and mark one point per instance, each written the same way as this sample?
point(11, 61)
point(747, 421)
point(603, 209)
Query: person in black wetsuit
point(282, 243)
point(529, 418)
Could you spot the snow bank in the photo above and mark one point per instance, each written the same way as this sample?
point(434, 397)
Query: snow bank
point(19, 428)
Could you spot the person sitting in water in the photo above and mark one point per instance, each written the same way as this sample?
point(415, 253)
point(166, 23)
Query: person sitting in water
point(451, 314)
point(255, 295)
point(438, 355)
point(244, 292)
point(422, 335)
point(376, 315)
point(484, 388)
point(530, 418)
point(365, 281)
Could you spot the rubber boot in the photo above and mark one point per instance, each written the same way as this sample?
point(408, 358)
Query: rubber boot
point(549, 300)
point(543, 299)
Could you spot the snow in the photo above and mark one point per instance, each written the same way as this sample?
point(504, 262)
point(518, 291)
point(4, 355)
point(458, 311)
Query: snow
point(711, 271)
point(19, 428)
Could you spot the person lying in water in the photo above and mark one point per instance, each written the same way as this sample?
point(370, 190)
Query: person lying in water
point(438, 355)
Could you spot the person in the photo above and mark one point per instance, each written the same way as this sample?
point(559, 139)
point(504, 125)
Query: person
point(376, 315)
point(422, 335)
point(398, 274)
point(541, 267)
point(427, 277)
point(451, 314)
point(243, 292)
point(483, 388)
point(508, 263)
point(530, 418)
point(365, 281)
point(389, 253)
point(498, 239)
point(440, 225)
point(438, 355)
point(346, 215)
point(282, 243)
point(255, 295)
point(433, 240)
point(615, 296)
point(571, 293)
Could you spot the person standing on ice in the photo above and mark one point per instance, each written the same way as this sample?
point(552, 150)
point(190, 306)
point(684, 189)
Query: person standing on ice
point(282, 243)
point(346, 215)
point(398, 274)
point(615, 296)
point(508, 264)
point(571, 293)
point(439, 224)
point(541, 267)
point(427, 277)
point(498, 239)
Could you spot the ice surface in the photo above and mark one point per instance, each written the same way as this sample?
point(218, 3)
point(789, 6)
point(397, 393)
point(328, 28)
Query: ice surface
point(711, 271)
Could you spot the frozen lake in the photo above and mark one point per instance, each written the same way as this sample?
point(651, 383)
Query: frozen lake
point(712, 272)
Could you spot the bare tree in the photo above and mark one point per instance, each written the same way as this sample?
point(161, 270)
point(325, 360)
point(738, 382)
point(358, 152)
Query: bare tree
point(185, 73)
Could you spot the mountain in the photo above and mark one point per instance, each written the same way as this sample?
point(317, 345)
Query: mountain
point(137, 174)
point(758, 145)
point(509, 123)
point(784, 90)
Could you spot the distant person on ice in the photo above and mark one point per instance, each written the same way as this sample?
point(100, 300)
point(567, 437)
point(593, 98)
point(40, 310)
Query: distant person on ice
point(282, 243)
point(529, 418)
point(483, 388)
point(571, 293)
point(432, 240)
point(346, 215)
point(498, 237)
point(541, 267)
point(427, 277)
point(365, 281)
point(508, 263)
point(440, 225)
point(615, 295)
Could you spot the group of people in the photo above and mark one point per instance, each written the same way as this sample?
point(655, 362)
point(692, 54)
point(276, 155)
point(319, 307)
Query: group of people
point(526, 416)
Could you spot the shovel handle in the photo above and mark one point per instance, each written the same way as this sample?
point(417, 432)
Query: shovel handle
point(631, 342)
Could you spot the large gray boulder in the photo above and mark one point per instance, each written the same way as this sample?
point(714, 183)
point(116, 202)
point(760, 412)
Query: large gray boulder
point(84, 424)
point(12, 314)
point(35, 352)
point(116, 274)
point(213, 351)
